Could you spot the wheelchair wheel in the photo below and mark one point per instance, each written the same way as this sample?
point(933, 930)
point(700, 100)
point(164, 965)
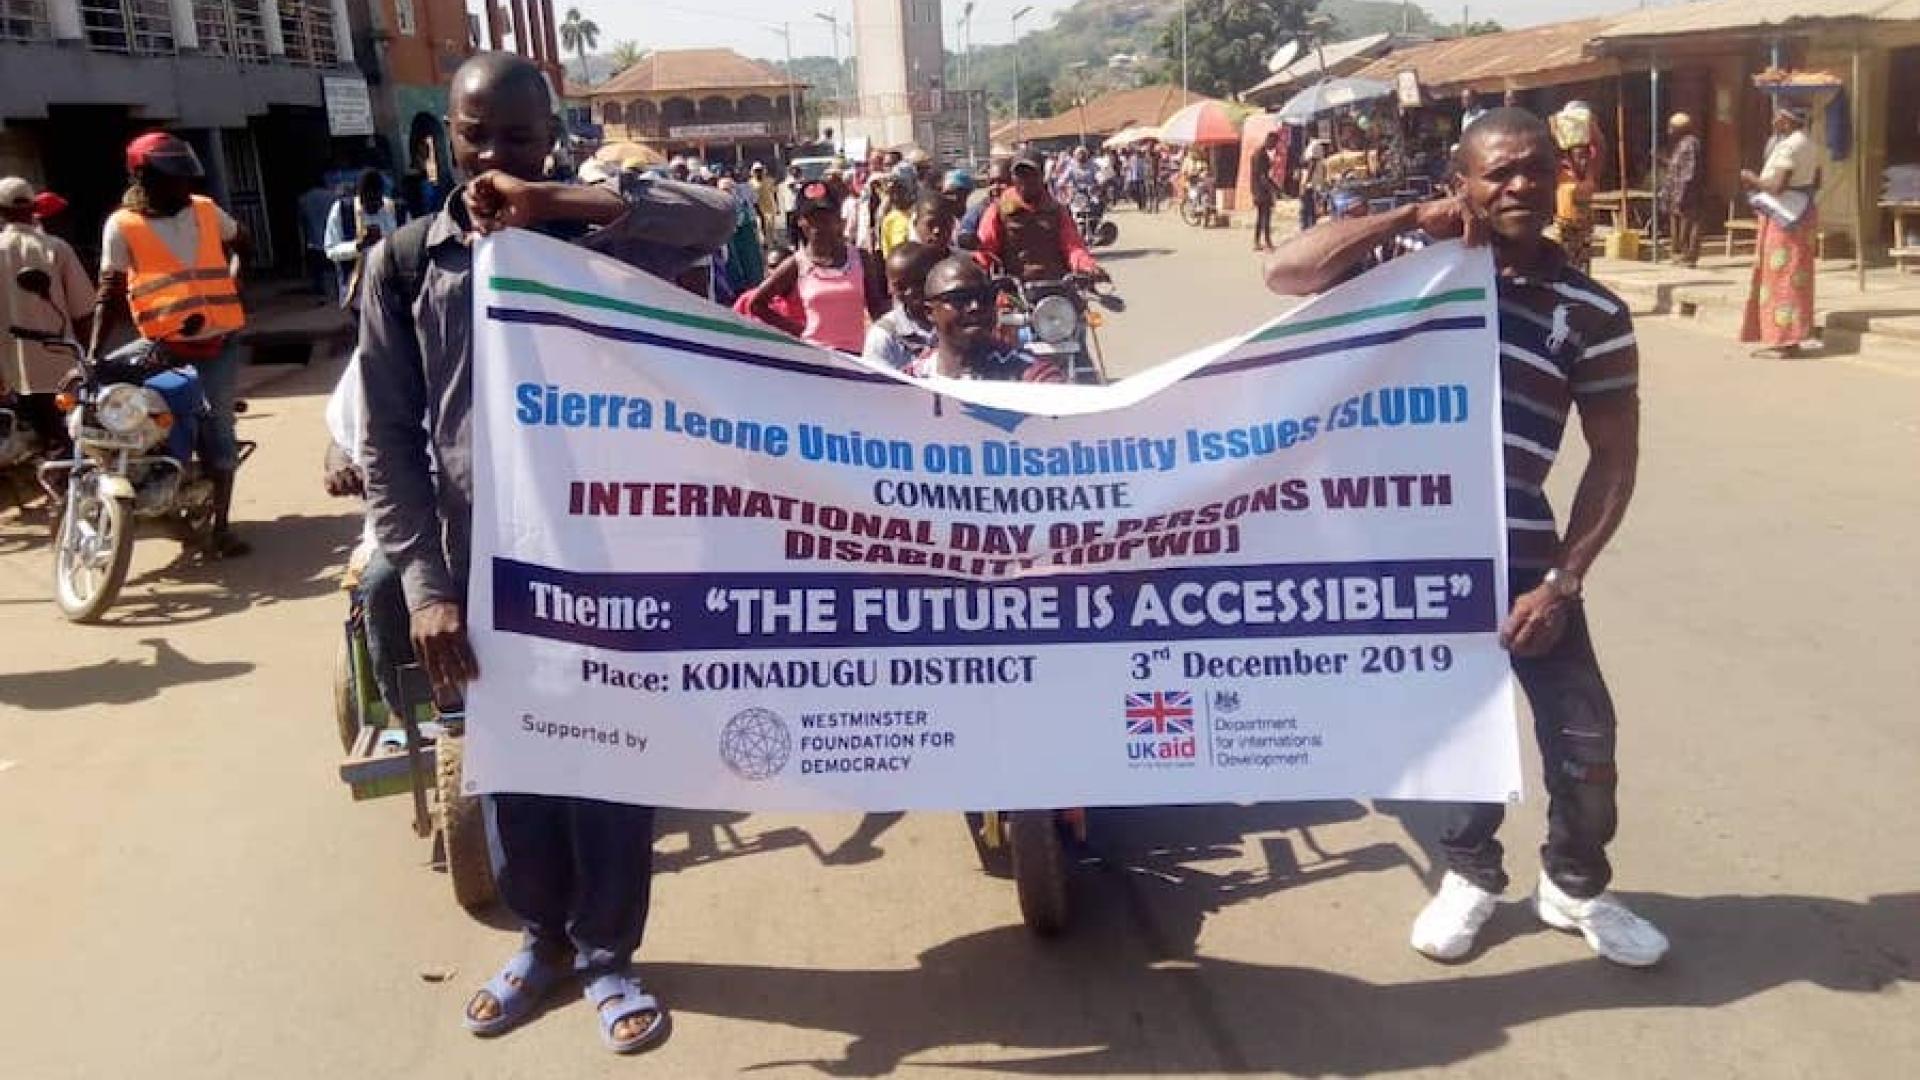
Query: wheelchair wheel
point(1039, 870)
point(463, 830)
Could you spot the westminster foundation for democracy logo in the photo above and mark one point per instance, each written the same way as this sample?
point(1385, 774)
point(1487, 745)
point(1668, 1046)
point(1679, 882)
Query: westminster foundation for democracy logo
point(1159, 728)
point(756, 744)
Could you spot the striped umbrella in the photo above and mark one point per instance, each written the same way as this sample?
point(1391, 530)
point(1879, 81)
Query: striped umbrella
point(1203, 123)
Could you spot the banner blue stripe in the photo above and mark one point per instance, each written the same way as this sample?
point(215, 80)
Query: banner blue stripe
point(717, 352)
point(1304, 352)
point(801, 367)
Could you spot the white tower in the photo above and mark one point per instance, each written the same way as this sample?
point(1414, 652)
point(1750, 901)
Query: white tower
point(902, 63)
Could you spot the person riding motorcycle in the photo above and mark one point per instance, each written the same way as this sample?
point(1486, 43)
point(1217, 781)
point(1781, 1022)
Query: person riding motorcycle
point(1029, 233)
point(168, 256)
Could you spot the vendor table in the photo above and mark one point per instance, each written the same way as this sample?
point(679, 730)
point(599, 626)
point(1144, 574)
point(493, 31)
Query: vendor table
point(1624, 209)
point(1906, 240)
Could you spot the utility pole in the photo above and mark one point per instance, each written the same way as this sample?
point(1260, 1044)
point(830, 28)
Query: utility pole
point(793, 98)
point(839, 88)
point(966, 78)
point(1183, 53)
point(1016, 69)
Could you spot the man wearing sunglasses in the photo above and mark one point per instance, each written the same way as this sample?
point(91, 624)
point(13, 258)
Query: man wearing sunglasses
point(963, 305)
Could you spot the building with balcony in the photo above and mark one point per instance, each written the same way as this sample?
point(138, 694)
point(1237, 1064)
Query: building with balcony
point(712, 103)
point(245, 81)
point(408, 51)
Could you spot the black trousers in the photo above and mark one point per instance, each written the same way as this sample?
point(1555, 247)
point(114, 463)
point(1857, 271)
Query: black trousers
point(1263, 221)
point(578, 873)
point(1574, 724)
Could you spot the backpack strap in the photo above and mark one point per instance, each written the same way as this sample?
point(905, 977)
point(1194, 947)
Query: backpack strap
point(408, 246)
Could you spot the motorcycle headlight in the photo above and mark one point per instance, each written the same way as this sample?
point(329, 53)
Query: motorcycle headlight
point(127, 411)
point(1054, 320)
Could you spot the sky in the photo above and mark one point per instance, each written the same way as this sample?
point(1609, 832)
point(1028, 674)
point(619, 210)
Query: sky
point(750, 26)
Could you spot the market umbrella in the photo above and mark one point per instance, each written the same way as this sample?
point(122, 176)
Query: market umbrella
point(630, 155)
point(1329, 95)
point(1203, 123)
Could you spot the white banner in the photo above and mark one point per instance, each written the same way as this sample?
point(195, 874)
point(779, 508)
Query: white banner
point(715, 567)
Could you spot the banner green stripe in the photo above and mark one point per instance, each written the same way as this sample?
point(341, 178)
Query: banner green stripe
point(1347, 318)
point(625, 307)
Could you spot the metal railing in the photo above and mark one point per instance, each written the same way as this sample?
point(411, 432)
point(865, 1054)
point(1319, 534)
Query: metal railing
point(135, 27)
point(233, 28)
point(306, 28)
point(24, 20)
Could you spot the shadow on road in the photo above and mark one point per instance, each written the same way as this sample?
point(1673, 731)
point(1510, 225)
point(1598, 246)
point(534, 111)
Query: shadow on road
point(1124, 254)
point(1097, 1004)
point(719, 836)
point(113, 682)
point(295, 557)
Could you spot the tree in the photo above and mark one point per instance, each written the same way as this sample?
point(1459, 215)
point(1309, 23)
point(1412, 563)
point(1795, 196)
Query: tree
point(580, 34)
point(625, 54)
point(1230, 41)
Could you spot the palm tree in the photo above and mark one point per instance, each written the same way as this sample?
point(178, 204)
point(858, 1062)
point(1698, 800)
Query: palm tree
point(580, 34)
point(625, 54)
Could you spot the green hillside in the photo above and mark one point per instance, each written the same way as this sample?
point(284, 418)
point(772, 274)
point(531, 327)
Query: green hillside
point(1087, 48)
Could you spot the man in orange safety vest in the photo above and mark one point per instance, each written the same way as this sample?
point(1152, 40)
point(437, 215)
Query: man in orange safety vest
point(168, 255)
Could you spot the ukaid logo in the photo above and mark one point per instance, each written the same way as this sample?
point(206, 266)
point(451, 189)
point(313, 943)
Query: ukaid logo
point(1160, 729)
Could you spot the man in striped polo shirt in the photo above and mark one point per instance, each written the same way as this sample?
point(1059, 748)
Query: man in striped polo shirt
point(1566, 345)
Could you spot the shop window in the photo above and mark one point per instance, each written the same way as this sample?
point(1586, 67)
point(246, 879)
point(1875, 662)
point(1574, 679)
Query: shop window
point(716, 110)
point(24, 20)
point(677, 111)
point(232, 28)
point(754, 107)
point(306, 28)
point(137, 27)
point(610, 113)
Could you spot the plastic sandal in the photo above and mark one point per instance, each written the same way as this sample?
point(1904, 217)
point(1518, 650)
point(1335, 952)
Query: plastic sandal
point(618, 997)
point(516, 1002)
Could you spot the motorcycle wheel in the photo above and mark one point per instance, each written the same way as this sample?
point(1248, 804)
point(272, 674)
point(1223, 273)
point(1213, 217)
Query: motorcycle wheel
point(1039, 870)
point(1190, 213)
point(91, 553)
point(463, 830)
point(1107, 235)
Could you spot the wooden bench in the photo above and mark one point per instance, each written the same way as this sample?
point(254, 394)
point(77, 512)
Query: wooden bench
point(1750, 227)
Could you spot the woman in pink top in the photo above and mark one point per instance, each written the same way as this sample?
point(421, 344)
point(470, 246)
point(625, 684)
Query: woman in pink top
point(825, 279)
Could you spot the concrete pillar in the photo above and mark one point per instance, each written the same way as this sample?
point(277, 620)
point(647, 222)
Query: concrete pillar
point(270, 23)
point(520, 27)
point(536, 34)
point(186, 36)
point(343, 33)
point(495, 34)
point(64, 15)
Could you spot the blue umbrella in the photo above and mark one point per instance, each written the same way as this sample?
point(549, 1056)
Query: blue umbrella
point(1331, 94)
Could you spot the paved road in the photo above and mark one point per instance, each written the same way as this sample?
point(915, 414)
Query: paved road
point(186, 891)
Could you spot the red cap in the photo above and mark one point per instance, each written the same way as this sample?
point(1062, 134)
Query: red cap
point(47, 204)
point(163, 152)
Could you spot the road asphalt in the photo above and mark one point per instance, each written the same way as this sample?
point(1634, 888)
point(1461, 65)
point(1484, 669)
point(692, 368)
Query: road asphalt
point(187, 890)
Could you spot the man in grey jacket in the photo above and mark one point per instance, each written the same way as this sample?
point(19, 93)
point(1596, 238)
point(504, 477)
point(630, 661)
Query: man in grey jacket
point(576, 872)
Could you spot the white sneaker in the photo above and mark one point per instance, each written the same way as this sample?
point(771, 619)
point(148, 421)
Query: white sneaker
point(1614, 932)
point(1452, 919)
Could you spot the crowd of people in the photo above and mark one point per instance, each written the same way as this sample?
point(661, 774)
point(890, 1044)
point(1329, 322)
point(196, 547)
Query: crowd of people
point(894, 259)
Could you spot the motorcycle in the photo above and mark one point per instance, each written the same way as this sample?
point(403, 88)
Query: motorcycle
point(133, 417)
point(1196, 204)
point(1090, 217)
point(1058, 322)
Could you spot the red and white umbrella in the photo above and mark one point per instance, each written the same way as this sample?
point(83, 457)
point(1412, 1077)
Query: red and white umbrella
point(1203, 123)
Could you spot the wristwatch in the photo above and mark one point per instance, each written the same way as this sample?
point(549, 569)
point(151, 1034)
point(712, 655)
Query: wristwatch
point(1564, 583)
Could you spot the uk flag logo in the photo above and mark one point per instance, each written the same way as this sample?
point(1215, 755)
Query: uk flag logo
point(1162, 712)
